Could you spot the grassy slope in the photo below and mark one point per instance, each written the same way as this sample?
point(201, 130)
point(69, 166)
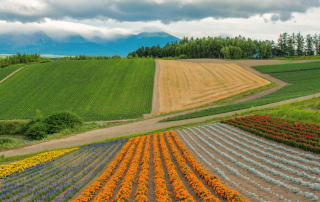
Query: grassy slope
point(302, 83)
point(4, 72)
point(96, 90)
point(267, 69)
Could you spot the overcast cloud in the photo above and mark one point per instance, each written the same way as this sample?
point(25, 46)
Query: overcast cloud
point(149, 10)
point(111, 18)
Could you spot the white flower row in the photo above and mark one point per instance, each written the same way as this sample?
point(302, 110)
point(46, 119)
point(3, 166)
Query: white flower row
point(277, 165)
point(308, 156)
point(283, 160)
point(314, 186)
point(218, 171)
point(223, 164)
point(252, 170)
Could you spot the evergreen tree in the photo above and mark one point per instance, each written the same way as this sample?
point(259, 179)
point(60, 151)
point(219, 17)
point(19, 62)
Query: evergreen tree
point(300, 44)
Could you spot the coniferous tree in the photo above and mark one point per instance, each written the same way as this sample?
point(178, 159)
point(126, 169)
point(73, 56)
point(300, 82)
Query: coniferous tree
point(309, 45)
point(300, 44)
point(316, 43)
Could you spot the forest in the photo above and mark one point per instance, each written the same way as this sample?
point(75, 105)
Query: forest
point(20, 59)
point(234, 48)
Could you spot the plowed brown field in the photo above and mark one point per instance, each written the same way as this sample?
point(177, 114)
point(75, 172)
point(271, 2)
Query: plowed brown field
point(183, 85)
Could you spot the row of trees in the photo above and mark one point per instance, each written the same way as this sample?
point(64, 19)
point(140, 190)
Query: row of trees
point(20, 59)
point(88, 57)
point(235, 48)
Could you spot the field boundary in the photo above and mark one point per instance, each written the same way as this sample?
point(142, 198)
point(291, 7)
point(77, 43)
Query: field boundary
point(12, 74)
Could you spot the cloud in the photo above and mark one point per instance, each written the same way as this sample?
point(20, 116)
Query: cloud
point(166, 11)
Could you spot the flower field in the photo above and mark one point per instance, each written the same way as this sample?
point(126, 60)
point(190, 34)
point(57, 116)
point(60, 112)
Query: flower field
point(59, 179)
point(215, 162)
point(301, 135)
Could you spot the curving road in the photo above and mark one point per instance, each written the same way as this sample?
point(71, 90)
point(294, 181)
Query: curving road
point(152, 123)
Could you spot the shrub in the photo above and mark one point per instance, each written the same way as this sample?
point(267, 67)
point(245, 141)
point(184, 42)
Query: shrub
point(37, 131)
point(13, 127)
point(61, 120)
point(183, 57)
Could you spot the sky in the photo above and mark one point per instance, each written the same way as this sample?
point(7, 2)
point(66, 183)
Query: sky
point(110, 19)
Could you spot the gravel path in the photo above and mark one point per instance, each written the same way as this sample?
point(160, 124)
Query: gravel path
point(146, 125)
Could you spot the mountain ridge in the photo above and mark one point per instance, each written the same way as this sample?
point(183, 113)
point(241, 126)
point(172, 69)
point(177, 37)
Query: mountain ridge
point(39, 42)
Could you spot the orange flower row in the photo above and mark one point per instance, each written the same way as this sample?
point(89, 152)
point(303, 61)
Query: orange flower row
point(180, 191)
point(161, 191)
point(91, 190)
point(107, 190)
point(126, 185)
point(142, 188)
point(195, 183)
point(212, 180)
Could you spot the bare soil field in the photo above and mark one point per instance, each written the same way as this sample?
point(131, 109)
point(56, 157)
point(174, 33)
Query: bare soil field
point(184, 85)
point(254, 168)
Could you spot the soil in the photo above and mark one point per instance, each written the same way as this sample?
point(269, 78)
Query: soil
point(183, 85)
point(250, 187)
point(152, 123)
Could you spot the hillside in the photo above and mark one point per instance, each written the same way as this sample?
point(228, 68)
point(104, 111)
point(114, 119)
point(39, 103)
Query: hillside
point(96, 90)
point(77, 45)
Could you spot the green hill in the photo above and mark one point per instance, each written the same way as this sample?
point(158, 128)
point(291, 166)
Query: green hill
point(94, 89)
point(4, 72)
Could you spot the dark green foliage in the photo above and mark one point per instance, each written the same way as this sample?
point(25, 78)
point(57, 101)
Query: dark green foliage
point(93, 89)
point(37, 131)
point(267, 69)
point(183, 57)
point(52, 124)
point(4, 72)
point(61, 120)
point(13, 127)
point(19, 59)
point(303, 83)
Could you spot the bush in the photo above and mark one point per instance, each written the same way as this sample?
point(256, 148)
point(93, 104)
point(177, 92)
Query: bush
point(37, 131)
point(183, 57)
point(13, 127)
point(61, 120)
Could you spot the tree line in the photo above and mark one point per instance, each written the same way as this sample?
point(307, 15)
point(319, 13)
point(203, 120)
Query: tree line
point(20, 59)
point(234, 48)
point(88, 57)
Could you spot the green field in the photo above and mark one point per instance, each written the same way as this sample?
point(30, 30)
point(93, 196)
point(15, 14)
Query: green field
point(303, 83)
point(267, 69)
point(4, 72)
point(95, 90)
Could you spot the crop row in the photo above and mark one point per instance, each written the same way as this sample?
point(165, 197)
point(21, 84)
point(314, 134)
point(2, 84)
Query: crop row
point(267, 69)
point(19, 166)
point(234, 171)
point(303, 83)
point(217, 134)
point(95, 90)
point(61, 179)
point(278, 131)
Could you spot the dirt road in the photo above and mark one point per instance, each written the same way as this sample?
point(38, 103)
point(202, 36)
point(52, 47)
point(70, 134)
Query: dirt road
point(145, 125)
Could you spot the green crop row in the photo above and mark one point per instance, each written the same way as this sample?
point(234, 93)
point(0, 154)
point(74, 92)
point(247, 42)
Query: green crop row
point(267, 69)
point(95, 90)
point(302, 83)
point(4, 72)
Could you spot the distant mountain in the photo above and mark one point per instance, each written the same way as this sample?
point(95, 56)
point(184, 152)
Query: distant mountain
point(77, 45)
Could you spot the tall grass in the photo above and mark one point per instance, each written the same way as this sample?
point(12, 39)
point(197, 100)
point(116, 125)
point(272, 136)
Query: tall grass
point(18, 127)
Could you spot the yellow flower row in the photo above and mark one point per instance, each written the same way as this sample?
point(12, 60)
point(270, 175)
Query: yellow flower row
point(194, 182)
point(19, 166)
point(212, 180)
point(106, 192)
point(91, 190)
point(180, 191)
point(142, 188)
point(161, 192)
point(127, 182)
